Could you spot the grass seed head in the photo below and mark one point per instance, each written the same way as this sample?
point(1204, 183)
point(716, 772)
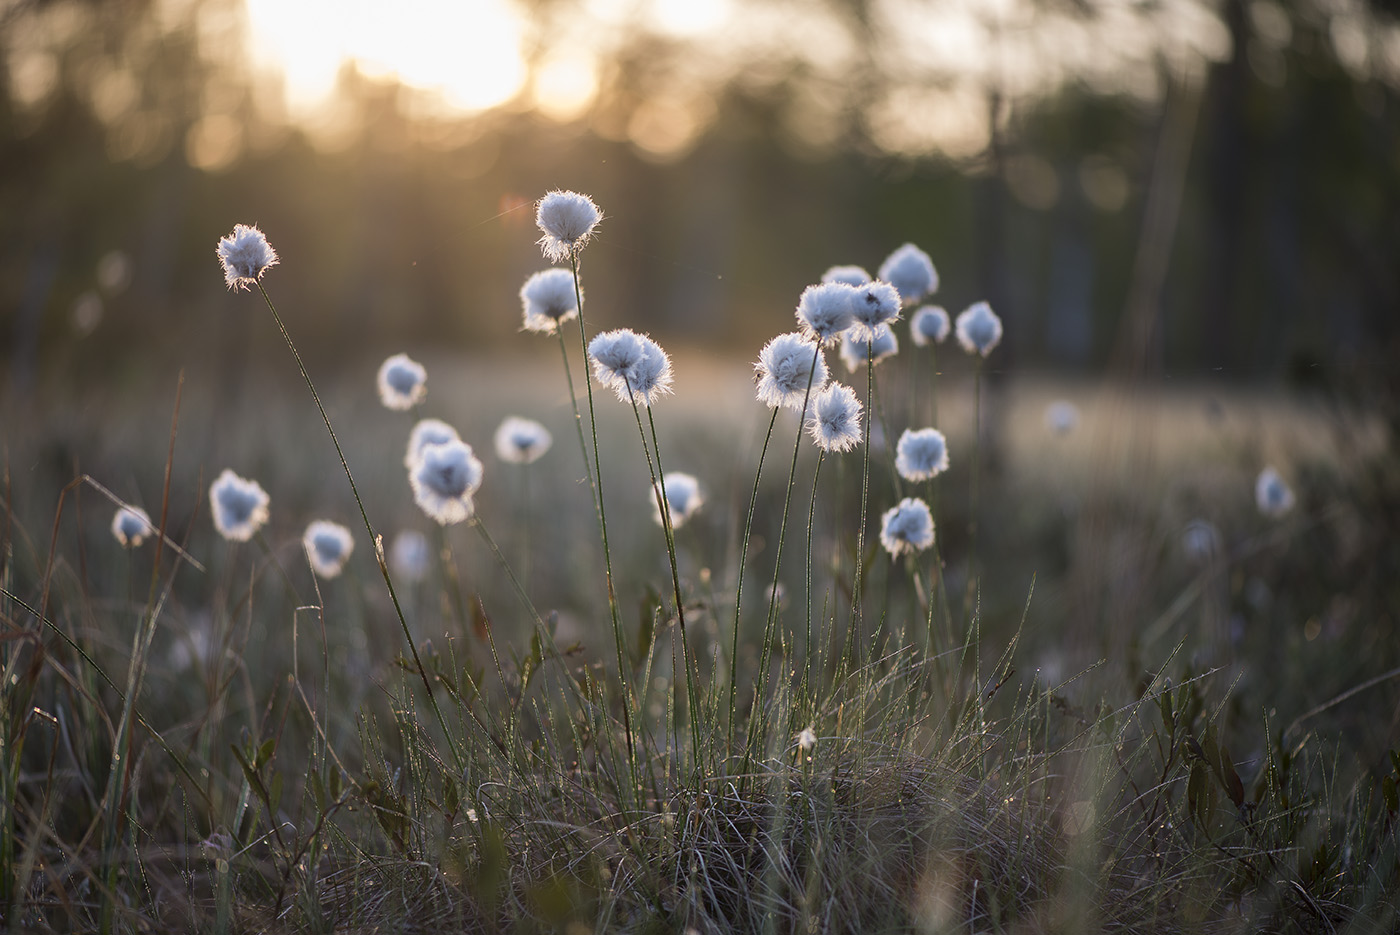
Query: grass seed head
point(245, 255)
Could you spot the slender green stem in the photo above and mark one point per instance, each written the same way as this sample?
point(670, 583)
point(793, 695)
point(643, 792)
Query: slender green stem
point(864, 496)
point(973, 569)
point(374, 538)
point(807, 647)
point(739, 587)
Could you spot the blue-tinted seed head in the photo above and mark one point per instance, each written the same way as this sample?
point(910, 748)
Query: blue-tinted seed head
point(443, 481)
point(910, 270)
point(907, 527)
point(245, 255)
point(328, 546)
point(921, 454)
point(402, 382)
point(929, 324)
point(131, 525)
point(979, 329)
point(826, 310)
point(834, 421)
point(787, 367)
point(549, 299)
point(567, 220)
point(854, 350)
point(239, 506)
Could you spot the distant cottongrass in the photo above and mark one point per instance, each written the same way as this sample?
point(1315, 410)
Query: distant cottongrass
point(403, 383)
point(785, 372)
point(825, 311)
point(853, 349)
point(240, 506)
point(549, 299)
point(328, 546)
point(409, 555)
point(1200, 540)
point(131, 525)
point(921, 454)
point(929, 325)
point(631, 365)
point(979, 329)
point(910, 270)
point(567, 220)
point(850, 275)
point(1271, 494)
point(874, 307)
point(443, 481)
point(1061, 416)
point(835, 420)
point(427, 432)
point(521, 441)
point(907, 527)
point(245, 255)
point(682, 496)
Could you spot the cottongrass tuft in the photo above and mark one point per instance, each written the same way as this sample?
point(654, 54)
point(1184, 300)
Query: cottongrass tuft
point(825, 311)
point(850, 275)
point(409, 555)
point(328, 546)
point(1061, 416)
point(921, 454)
point(929, 325)
point(907, 527)
point(567, 220)
point(979, 329)
point(1272, 494)
point(910, 270)
point(521, 441)
point(632, 365)
point(443, 481)
point(682, 496)
point(403, 383)
point(131, 525)
point(875, 306)
point(835, 420)
point(239, 506)
point(784, 371)
point(549, 299)
point(245, 255)
point(427, 432)
point(807, 739)
point(1200, 540)
point(853, 350)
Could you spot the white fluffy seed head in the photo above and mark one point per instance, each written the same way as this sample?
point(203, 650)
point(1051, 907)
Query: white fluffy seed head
point(131, 525)
point(245, 255)
point(549, 299)
point(328, 546)
point(850, 275)
point(907, 527)
point(1200, 540)
point(409, 555)
point(921, 454)
point(929, 324)
point(1061, 416)
point(910, 270)
point(632, 365)
point(403, 383)
point(979, 329)
point(876, 305)
point(443, 481)
point(834, 422)
point(427, 432)
point(807, 739)
point(826, 310)
point(1272, 495)
point(567, 220)
point(786, 369)
point(683, 498)
point(521, 441)
point(853, 350)
point(239, 506)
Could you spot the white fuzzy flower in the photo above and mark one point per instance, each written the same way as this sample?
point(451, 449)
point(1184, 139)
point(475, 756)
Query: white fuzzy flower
point(785, 371)
point(427, 432)
point(921, 454)
point(807, 739)
point(444, 479)
point(850, 275)
point(907, 527)
point(853, 350)
point(328, 546)
point(632, 365)
point(682, 496)
point(246, 255)
point(521, 441)
point(910, 270)
point(1272, 495)
point(1200, 540)
point(549, 299)
point(834, 423)
point(567, 220)
point(1061, 416)
point(874, 307)
point(826, 310)
point(409, 555)
point(929, 324)
point(403, 383)
point(239, 506)
point(979, 329)
point(131, 525)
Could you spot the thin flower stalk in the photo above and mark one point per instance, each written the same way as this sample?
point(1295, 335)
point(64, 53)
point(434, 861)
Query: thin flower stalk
point(856, 615)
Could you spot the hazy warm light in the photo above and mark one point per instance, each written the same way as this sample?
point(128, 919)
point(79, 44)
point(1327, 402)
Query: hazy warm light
point(465, 51)
point(565, 84)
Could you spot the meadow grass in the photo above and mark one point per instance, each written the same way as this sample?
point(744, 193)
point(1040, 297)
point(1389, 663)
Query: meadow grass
point(1105, 728)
